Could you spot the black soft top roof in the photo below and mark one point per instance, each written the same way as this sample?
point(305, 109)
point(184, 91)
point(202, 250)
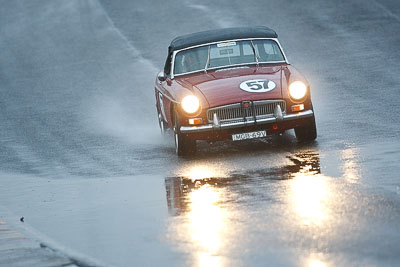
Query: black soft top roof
point(218, 35)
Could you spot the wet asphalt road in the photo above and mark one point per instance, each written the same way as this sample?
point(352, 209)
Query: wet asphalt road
point(82, 160)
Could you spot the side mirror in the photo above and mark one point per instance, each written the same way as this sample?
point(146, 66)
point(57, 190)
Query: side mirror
point(161, 76)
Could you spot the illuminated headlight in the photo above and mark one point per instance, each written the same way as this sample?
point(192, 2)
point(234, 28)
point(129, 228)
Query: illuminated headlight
point(190, 104)
point(297, 90)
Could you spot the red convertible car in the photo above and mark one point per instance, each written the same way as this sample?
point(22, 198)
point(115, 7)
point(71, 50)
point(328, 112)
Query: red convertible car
point(231, 83)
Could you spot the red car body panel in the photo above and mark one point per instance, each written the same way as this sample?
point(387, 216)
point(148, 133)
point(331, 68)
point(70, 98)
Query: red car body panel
point(222, 87)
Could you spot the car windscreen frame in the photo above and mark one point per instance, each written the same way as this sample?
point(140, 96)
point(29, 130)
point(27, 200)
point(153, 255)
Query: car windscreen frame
point(228, 66)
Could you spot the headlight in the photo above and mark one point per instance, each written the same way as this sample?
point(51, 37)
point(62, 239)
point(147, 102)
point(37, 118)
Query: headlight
point(190, 104)
point(297, 90)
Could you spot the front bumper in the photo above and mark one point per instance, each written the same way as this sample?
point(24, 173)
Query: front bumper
point(277, 118)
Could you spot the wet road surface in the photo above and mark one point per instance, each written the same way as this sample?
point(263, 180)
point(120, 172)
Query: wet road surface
point(82, 160)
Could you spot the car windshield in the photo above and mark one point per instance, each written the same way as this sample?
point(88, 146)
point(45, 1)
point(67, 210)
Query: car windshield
point(227, 54)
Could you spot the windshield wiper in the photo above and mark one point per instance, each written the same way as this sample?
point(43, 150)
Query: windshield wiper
point(254, 51)
point(208, 59)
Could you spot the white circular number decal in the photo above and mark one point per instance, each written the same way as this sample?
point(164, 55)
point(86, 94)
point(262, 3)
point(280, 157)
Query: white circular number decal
point(257, 86)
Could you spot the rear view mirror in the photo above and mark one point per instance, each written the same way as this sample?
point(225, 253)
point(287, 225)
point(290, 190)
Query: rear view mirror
point(161, 76)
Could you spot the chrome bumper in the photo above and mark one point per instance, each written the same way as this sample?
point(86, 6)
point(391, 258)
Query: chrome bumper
point(251, 122)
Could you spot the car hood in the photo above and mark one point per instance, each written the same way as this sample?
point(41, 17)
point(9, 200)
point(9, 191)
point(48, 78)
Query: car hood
point(221, 87)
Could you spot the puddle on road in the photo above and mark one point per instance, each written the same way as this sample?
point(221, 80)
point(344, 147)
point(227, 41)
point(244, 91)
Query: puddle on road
point(224, 220)
point(293, 215)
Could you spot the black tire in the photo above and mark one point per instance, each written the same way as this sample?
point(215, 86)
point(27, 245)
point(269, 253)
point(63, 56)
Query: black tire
point(183, 146)
point(162, 124)
point(307, 132)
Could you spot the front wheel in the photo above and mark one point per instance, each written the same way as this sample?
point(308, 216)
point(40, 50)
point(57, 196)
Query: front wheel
point(183, 146)
point(306, 132)
point(162, 124)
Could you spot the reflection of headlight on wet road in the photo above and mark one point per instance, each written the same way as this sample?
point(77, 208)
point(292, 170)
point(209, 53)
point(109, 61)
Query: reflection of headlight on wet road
point(200, 172)
point(316, 263)
point(310, 195)
point(206, 218)
point(206, 223)
point(351, 168)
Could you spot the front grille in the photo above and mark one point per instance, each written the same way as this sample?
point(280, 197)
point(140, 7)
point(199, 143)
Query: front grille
point(238, 112)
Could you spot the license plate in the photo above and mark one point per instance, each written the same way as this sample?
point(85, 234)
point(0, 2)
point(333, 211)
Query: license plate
point(251, 135)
